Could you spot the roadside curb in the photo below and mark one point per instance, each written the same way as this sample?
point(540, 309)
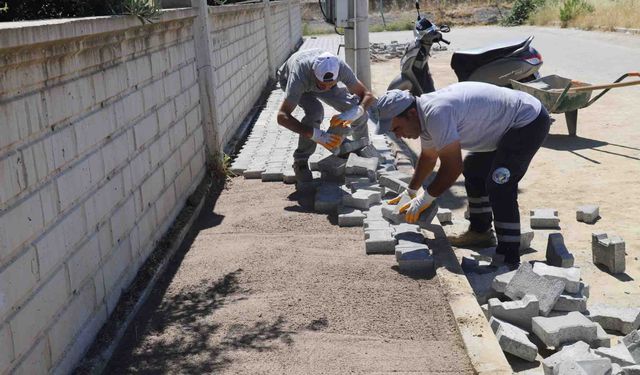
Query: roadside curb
point(480, 343)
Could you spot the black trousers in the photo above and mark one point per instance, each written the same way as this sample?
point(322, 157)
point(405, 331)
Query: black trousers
point(491, 181)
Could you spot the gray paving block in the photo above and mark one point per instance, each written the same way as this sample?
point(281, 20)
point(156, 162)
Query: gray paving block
point(573, 301)
point(618, 354)
point(525, 281)
point(560, 330)
point(252, 173)
point(355, 186)
point(594, 366)
point(328, 198)
point(444, 215)
point(588, 214)
point(359, 166)
point(374, 213)
point(499, 283)
point(514, 340)
point(632, 342)
point(377, 224)
point(394, 181)
point(361, 199)
point(485, 310)
point(481, 284)
point(620, 319)
point(356, 180)
point(272, 175)
point(579, 350)
point(380, 242)
point(570, 276)
point(557, 253)
point(414, 259)
point(390, 212)
point(332, 166)
point(526, 236)
point(369, 151)
point(518, 312)
point(603, 339)
point(608, 251)
point(288, 176)
point(544, 218)
point(630, 370)
point(350, 217)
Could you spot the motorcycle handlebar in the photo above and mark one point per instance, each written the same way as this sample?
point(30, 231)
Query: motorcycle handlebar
point(443, 40)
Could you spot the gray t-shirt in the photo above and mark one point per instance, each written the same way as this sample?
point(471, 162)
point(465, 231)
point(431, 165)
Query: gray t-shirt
point(298, 71)
point(476, 114)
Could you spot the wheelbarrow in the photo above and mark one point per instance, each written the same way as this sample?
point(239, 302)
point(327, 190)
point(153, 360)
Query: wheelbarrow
point(563, 95)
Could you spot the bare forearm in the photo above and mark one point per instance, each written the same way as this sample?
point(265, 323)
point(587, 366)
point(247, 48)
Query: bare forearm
point(423, 169)
point(368, 100)
point(291, 123)
point(444, 179)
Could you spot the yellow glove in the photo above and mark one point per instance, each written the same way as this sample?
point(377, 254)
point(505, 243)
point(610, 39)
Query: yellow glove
point(417, 206)
point(329, 141)
point(410, 193)
point(337, 122)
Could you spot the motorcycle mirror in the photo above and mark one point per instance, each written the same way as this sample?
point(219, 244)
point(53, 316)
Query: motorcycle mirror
point(418, 7)
point(445, 28)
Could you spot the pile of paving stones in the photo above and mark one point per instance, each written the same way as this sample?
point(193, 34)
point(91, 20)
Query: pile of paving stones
point(543, 305)
point(392, 50)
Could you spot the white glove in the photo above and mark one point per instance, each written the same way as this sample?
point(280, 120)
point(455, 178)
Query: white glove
point(417, 206)
point(410, 193)
point(329, 141)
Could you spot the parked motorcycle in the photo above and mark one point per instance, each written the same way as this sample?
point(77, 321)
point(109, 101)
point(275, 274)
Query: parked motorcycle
point(496, 64)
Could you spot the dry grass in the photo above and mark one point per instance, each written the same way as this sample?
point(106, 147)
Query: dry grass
point(607, 14)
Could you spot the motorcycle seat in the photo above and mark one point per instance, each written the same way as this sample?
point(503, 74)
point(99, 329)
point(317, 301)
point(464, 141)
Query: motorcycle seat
point(464, 63)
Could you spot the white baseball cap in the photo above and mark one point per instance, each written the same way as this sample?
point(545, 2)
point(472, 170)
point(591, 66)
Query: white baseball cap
point(326, 67)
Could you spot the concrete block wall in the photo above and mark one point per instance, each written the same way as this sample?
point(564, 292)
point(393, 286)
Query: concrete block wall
point(101, 142)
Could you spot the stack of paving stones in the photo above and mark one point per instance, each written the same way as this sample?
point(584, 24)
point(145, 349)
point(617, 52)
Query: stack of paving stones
point(351, 186)
point(392, 50)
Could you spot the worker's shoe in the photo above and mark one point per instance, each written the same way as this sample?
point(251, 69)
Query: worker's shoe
point(302, 172)
point(472, 238)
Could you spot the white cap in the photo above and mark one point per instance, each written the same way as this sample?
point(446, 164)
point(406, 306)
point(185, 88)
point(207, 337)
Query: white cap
point(326, 67)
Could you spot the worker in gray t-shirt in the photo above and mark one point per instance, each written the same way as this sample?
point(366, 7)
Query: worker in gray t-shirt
point(502, 129)
point(310, 75)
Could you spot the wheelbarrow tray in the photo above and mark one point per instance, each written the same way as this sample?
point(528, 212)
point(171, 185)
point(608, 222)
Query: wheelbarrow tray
point(549, 90)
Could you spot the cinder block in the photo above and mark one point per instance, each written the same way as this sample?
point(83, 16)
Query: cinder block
point(557, 331)
point(573, 301)
point(620, 319)
point(595, 366)
point(579, 350)
point(632, 342)
point(359, 166)
point(525, 281)
point(557, 253)
point(544, 218)
point(380, 242)
point(618, 354)
point(526, 236)
point(518, 312)
point(500, 282)
point(570, 276)
point(608, 251)
point(350, 217)
point(444, 215)
point(361, 199)
point(588, 214)
point(514, 340)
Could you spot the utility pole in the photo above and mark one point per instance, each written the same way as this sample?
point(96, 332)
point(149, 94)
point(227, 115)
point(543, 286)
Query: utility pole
point(361, 25)
point(350, 38)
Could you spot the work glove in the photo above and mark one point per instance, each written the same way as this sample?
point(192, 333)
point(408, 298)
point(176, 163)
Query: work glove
point(417, 206)
point(410, 193)
point(327, 140)
point(345, 118)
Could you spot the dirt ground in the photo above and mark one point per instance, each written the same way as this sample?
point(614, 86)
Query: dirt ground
point(600, 166)
point(264, 286)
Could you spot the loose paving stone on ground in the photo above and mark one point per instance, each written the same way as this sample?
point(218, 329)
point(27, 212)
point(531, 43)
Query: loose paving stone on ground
point(557, 253)
point(588, 214)
point(350, 217)
point(620, 319)
point(499, 283)
point(602, 340)
point(560, 330)
point(632, 342)
point(359, 166)
point(595, 366)
point(608, 251)
point(570, 276)
point(518, 313)
point(544, 218)
point(445, 216)
point(573, 301)
point(630, 370)
point(525, 281)
point(481, 283)
point(526, 236)
point(514, 340)
point(579, 350)
point(618, 354)
point(361, 199)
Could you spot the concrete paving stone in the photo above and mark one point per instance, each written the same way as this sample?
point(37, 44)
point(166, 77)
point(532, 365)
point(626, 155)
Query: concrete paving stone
point(481, 284)
point(557, 253)
point(570, 276)
point(376, 224)
point(390, 212)
point(395, 180)
point(289, 176)
point(253, 173)
point(444, 215)
point(518, 312)
point(542, 218)
point(629, 370)
point(356, 180)
point(594, 366)
point(374, 213)
point(560, 330)
point(369, 151)
point(632, 342)
point(270, 175)
point(616, 369)
point(578, 350)
point(514, 340)
point(328, 198)
point(350, 217)
point(380, 242)
point(573, 301)
point(366, 186)
point(485, 310)
point(602, 340)
point(359, 166)
point(525, 281)
point(526, 236)
point(499, 283)
point(588, 214)
point(608, 251)
point(620, 319)
point(362, 199)
point(386, 167)
point(618, 354)
point(313, 161)
point(406, 227)
point(472, 265)
point(409, 236)
point(414, 260)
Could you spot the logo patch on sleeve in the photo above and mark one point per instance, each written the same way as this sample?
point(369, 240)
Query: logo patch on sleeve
point(501, 175)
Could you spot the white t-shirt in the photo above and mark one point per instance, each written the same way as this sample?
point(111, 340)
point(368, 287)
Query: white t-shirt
point(476, 114)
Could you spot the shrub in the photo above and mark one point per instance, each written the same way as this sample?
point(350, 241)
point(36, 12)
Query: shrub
point(521, 11)
point(570, 9)
point(24, 10)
